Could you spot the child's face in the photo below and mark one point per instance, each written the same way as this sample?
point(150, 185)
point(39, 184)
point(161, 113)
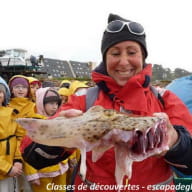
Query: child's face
point(64, 99)
point(2, 97)
point(51, 108)
point(20, 90)
point(33, 88)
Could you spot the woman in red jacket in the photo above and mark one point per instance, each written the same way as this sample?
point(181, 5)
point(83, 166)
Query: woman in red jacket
point(123, 79)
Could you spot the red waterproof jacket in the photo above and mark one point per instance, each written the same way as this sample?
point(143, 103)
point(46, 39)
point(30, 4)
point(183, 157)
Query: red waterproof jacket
point(139, 100)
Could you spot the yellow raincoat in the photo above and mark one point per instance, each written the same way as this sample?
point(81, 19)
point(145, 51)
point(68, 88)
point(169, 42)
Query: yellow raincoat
point(10, 138)
point(24, 106)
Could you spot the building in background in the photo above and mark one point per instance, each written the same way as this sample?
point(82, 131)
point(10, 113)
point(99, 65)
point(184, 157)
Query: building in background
point(67, 69)
point(19, 61)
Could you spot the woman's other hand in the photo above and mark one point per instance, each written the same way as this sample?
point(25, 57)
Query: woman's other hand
point(70, 113)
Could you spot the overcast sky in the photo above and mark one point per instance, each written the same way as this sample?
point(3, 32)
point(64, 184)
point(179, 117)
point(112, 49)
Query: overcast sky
point(72, 29)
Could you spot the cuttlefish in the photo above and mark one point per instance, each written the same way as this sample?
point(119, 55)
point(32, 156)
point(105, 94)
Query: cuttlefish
point(99, 129)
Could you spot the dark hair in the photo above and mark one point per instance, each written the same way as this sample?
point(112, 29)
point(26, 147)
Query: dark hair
point(51, 96)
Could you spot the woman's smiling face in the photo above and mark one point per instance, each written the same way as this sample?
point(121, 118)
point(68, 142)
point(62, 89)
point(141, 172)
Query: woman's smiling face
point(124, 60)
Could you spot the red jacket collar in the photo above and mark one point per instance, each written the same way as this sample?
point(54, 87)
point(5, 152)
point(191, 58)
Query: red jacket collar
point(133, 94)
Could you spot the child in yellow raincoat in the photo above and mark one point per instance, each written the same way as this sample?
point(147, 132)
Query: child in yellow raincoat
point(21, 97)
point(34, 85)
point(22, 104)
point(10, 137)
point(64, 94)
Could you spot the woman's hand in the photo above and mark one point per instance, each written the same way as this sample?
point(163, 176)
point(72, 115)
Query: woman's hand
point(171, 132)
point(70, 113)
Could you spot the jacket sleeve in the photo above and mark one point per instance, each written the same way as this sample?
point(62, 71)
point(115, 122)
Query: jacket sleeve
point(179, 156)
point(6, 161)
point(4, 170)
point(20, 132)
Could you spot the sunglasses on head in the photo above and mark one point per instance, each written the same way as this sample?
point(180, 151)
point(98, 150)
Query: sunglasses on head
point(117, 26)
